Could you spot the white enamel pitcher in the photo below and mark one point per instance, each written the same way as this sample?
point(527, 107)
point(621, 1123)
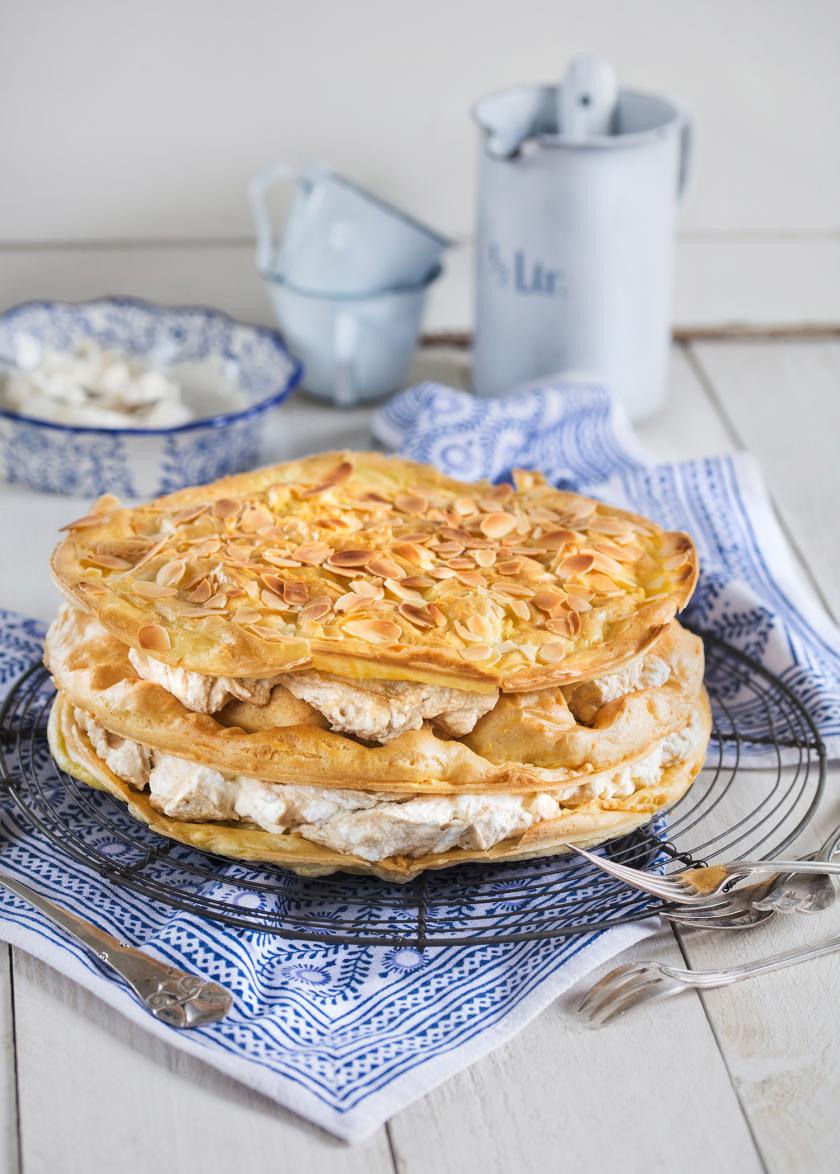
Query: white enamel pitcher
point(578, 188)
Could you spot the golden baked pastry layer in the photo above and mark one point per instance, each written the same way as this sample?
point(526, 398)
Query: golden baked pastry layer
point(584, 824)
point(366, 565)
point(528, 742)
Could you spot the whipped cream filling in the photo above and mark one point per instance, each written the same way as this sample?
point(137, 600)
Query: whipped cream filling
point(379, 711)
point(200, 693)
point(367, 824)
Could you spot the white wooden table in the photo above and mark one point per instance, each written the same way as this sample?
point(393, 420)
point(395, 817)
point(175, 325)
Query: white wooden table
point(739, 1080)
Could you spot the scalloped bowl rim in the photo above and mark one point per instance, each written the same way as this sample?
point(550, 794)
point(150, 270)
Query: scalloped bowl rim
point(220, 420)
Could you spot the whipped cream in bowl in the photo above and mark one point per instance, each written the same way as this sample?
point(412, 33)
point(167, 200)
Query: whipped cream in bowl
point(91, 385)
point(122, 396)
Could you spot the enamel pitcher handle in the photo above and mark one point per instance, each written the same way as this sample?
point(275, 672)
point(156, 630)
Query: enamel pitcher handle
point(258, 190)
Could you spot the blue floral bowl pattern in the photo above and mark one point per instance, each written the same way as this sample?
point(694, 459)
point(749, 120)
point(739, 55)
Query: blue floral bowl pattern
point(250, 361)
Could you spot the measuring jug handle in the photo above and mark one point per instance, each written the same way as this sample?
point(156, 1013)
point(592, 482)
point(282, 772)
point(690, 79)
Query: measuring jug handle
point(686, 155)
point(258, 190)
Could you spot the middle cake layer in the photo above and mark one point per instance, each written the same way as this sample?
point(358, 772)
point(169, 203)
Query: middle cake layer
point(542, 740)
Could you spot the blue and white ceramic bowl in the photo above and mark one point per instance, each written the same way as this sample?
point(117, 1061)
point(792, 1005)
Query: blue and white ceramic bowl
point(232, 374)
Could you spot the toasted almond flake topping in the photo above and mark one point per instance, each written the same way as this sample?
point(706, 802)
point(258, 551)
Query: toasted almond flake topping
point(267, 633)
point(485, 558)
point(153, 590)
point(476, 652)
point(350, 601)
point(568, 625)
point(183, 517)
point(551, 653)
point(84, 523)
point(602, 524)
point(296, 592)
point(480, 626)
point(548, 599)
point(312, 553)
point(460, 564)
point(93, 588)
point(411, 503)
point(520, 609)
point(246, 615)
point(217, 602)
point(408, 594)
point(351, 558)
point(454, 534)
point(412, 553)
point(417, 581)
point(339, 474)
point(316, 610)
point(511, 566)
point(273, 583)
point(255, 518)
point(497, 525)
point(206, 547)
point(466, 635)
point(470, 578)
point(557, 539)
point(109, 561)
point(576, 564)
point(441, 573)
point(516, 590)
point(287, 563)
point(226, 507)
point(416, 614)
point(385, 568)
point(171, 573)
point(374, 631)
point(105, 503)
point(367, 588)
point(609, 566)
point(274, 601)
point(465, 506)
point(154, 637)
point(201, 593)
point(675, 560)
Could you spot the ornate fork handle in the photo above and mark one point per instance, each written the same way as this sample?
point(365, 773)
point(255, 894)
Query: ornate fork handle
point(171, 995)
point(706, 979)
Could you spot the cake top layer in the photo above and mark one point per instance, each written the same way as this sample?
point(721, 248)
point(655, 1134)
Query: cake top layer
point(371, 566)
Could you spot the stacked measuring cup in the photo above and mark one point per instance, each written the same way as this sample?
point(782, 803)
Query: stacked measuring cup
point(348, 278)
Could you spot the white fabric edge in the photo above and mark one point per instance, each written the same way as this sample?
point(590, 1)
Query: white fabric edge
point(357, 1124)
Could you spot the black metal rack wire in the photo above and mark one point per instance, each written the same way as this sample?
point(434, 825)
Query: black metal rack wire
point(755, 713)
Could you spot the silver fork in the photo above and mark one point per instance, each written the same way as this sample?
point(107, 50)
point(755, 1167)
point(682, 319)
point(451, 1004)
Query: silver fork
point(640, 982)
point(801, 893)
point(754, 904)
point(171, 995)
point(707, 887)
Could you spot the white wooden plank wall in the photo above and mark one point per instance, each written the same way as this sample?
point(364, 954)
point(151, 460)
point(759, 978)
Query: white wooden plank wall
point(130, 134)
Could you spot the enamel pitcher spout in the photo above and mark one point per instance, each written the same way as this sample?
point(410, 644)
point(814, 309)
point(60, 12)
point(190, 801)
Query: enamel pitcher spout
point(578, 189)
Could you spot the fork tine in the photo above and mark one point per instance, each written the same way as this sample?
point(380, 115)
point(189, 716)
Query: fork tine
point(617, 989)
point(643, 993)
point(607, 981)
point(667, 888)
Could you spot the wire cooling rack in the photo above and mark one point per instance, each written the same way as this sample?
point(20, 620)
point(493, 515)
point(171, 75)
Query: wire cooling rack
point(730, 811)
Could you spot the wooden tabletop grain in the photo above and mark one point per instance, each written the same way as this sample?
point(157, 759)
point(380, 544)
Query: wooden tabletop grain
point(744, 1079)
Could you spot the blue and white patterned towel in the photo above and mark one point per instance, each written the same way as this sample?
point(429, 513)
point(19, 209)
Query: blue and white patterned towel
point(346, 1036)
